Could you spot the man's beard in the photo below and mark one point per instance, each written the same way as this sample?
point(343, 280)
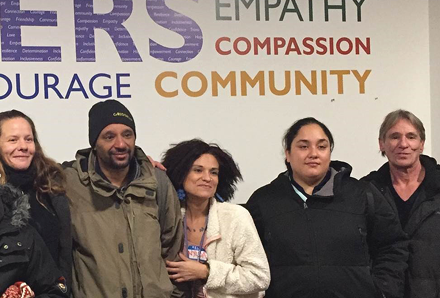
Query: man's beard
point(116, 164)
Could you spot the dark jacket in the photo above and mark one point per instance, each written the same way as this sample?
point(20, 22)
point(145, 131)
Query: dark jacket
point(23, 254)
point(324, 248)
point(50, 216)
point(423, 229)
point(59, 205)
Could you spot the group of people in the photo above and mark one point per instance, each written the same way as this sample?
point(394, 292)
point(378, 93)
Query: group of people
point(112, 224)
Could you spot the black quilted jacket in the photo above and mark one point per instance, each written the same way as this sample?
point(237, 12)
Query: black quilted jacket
point(423, 229)
point(338, 244)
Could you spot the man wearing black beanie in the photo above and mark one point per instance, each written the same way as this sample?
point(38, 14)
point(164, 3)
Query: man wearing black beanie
point(125, 213)
point(105, 113)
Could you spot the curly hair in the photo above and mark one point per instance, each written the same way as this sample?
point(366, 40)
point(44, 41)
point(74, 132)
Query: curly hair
point(180, 157)
point(50, 178)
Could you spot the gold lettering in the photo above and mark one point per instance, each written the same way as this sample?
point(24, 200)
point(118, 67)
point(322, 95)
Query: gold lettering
point(258, 79)
point(340, 75)
point(201, 77)
point(158, 84)
point(361, 79)
point(300, 78)
point(231, 78)
point(287, 83)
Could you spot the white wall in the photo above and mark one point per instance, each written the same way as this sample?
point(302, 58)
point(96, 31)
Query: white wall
point(434, 49)
point(249, 126)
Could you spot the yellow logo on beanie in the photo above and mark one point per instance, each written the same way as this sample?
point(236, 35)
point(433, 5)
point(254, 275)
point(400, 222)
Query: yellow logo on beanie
point(120, 114)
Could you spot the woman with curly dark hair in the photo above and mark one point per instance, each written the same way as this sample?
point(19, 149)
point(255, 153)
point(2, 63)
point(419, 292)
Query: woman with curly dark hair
point(24, 165)
point(222, 255)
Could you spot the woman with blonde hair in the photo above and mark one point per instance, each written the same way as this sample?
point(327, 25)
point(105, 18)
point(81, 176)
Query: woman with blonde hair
point(24, 165)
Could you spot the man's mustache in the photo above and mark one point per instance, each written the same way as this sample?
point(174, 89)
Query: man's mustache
point(118, 151)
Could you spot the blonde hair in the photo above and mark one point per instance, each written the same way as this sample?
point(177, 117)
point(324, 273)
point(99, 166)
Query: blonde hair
point(49, 175)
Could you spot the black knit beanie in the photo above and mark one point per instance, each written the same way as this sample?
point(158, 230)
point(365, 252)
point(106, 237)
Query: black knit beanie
point(108, 112)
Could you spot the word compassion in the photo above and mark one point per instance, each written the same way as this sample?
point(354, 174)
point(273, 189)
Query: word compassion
point(228, 10)
point(283, 46)
point(86, 22)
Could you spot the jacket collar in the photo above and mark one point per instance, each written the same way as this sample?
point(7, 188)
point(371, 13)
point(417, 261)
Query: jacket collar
point(432, 175)
point(382, 177)
point(145, 179)
point(338, 171)
point(14, 206)
point(213, 232)
point(133, 173)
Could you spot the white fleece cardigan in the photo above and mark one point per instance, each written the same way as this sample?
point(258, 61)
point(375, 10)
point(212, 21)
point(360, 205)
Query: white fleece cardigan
point(237, 261)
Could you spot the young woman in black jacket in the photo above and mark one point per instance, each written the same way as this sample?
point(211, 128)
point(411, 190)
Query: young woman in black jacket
point(326, 235)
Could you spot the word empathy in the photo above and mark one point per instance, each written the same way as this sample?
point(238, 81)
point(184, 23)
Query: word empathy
point(228, 10)
point(195, 83)
point(86, 22)
point(101, 85)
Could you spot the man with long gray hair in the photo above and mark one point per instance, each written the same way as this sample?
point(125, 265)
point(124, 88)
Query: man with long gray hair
point(410, 182)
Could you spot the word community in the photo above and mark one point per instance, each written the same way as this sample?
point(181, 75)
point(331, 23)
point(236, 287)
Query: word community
point(196, 84)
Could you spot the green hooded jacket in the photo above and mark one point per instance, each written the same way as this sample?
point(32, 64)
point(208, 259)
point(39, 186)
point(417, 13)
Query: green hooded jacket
point(122, 236)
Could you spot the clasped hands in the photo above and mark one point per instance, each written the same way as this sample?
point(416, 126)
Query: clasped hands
point(187, 270)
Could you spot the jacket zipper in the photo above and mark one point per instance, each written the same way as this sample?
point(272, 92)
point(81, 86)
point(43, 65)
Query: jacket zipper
point(363, 235)
point(313, 241)
point(132, 250)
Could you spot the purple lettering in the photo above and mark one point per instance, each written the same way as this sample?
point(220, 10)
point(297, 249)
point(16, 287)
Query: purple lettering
point(107, 88)
point(9, 89)
point(36, 84)
point(119, 85)
point(178, 23)
point(52, 86)
point(72, 88)
point(12, 19)
point(86, 21)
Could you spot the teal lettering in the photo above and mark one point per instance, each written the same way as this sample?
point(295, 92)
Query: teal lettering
point(358, 6)
point(219, 5)
point(295, 9)
point(269, 6)
point(327, 7)
point(247, 4)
